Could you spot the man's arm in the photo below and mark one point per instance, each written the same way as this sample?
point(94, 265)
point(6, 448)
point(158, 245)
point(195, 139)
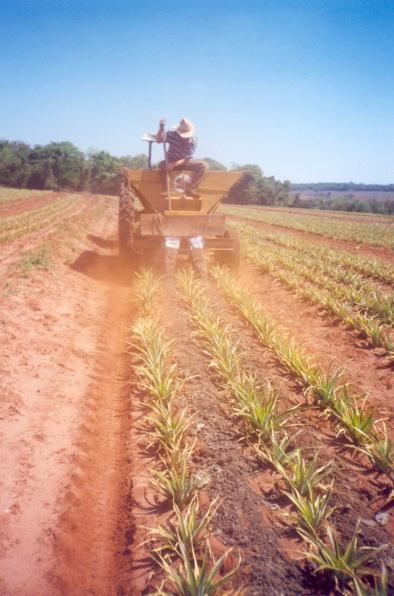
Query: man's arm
point(160, 132)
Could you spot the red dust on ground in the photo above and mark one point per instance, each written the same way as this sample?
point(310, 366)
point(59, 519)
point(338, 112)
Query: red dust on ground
point(75, 488)
point(63, 411)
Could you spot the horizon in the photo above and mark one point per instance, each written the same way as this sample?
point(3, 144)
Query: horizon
point(304, 91)
point(321, 182)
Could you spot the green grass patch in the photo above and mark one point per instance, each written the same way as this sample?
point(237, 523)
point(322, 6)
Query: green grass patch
point(35, 259)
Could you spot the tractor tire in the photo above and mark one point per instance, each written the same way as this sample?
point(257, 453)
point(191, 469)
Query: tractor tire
point(125, 221)
point(230, 258)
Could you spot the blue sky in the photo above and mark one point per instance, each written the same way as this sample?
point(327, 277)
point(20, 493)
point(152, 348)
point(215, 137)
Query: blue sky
point(304, 88)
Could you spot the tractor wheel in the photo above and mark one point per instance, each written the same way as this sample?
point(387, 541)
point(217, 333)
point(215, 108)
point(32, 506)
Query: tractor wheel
point(126, 218)
point(230, 258)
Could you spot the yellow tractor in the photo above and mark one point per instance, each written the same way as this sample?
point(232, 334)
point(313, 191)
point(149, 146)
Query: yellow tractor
point(147, 215)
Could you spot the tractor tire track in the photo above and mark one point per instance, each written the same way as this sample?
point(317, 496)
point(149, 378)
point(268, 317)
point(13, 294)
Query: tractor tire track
point(63, 424)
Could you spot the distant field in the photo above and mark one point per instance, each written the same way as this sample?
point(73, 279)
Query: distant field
point(18, 194)
point(363, 195)
point(376, 230)
point(347, 215)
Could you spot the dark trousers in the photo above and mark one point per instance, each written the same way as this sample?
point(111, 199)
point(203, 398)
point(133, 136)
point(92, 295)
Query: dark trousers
point(197, 167)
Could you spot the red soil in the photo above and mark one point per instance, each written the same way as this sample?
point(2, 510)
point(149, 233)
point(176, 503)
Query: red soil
point(74, 475)
point(63, 373)
point(12, 208)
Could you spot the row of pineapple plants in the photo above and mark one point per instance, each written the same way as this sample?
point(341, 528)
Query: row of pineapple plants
point(355, 420)
point(369, 326)
point(256, 404)
point(377, 234)
point(347, 263)
point(25, 223)
point(180, 547)
point(349, 306)
point(349, 286)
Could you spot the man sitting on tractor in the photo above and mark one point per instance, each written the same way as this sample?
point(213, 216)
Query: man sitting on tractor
point(181, 146)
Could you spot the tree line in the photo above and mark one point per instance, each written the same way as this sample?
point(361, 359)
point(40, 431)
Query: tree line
point(255, 188)
point(62, 166)
point(341, 186)
point(332, 201)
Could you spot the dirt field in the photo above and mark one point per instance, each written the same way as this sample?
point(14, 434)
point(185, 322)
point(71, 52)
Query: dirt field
point(356, 248)
point(76, 496)
point(345, 215)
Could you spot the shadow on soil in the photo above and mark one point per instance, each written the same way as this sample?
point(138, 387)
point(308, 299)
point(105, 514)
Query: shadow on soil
point(102, 242)
point(111, 269)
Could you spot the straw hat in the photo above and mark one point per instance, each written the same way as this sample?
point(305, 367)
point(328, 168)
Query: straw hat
point(185, 128)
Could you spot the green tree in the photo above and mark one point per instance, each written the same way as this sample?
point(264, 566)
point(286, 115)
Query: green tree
point(213, 164)
point(14, 163)
point(256, 188)
point(138, 162)
point(104, 173)
point(56, 165)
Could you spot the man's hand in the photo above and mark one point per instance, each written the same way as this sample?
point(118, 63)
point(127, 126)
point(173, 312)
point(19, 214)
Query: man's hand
point(160, 132)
